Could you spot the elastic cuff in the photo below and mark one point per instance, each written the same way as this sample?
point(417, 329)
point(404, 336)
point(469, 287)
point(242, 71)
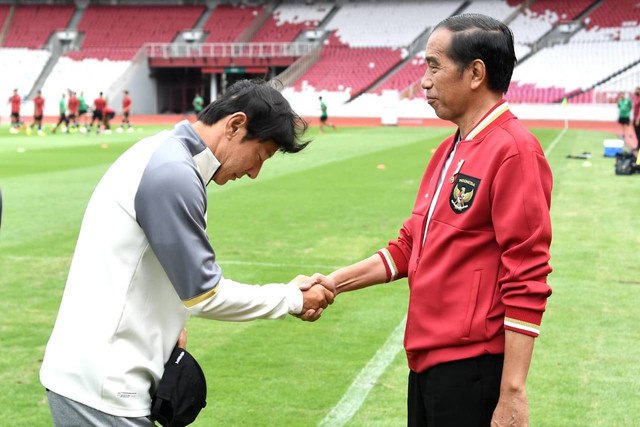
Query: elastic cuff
point(524, 321)
point(294, 297)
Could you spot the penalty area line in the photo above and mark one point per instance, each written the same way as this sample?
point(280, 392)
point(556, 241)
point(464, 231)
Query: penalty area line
point(357, 393)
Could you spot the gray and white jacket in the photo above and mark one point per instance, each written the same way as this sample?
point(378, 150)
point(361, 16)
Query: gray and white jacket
point(142, 265)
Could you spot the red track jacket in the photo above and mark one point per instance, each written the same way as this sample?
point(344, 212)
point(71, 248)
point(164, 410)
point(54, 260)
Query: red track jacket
point(485, 259)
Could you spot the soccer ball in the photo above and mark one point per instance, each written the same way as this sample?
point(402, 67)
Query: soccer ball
point(119, 130)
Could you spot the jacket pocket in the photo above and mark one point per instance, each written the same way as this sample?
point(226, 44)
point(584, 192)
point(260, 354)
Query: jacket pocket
point(471, 305)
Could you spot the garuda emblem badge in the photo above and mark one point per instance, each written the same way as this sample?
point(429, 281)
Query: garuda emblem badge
point(464, 191)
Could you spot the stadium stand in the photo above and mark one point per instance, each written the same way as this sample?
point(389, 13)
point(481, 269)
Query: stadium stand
point(227, 22)
point(353, 58)
point(498, 9)
point(612, 20)
point(289, 20)
point(410, 72)
point(118, 32)
point(575, 65)
point(32, 25)
point(387, 24)
point(4, 15)
point(342, 68)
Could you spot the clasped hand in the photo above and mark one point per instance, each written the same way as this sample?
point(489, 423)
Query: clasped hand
point(318, 292)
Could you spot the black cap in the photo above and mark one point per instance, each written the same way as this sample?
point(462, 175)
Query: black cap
point(182, 391)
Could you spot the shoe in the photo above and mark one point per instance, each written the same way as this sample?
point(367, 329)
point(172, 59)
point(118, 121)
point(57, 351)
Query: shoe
point(41, 133)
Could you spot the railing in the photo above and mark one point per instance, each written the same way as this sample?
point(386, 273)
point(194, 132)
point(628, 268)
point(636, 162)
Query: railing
point(227, 50)
point(289, 76)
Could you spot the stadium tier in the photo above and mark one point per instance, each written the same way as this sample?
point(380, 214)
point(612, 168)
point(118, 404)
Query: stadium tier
point(32, 25)
point(342, 68)
point(118, 32)
point(355, 47)
point(227, 22)
point(410, 72)
point(289, 20)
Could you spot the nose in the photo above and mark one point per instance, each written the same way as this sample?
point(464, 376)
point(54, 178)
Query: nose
point(254, 171)
point(426, 82)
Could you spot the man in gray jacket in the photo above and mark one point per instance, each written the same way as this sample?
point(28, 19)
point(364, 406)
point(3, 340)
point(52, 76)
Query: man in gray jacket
point(144, 264)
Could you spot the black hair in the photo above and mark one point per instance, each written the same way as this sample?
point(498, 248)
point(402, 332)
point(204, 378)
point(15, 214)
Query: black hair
point(269, 115)
point(481, 37)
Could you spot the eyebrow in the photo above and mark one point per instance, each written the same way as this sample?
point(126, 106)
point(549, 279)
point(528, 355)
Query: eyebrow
point(432, 59)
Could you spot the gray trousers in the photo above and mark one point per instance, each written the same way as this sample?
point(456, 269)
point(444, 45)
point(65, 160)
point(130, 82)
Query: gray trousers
point(69, 413)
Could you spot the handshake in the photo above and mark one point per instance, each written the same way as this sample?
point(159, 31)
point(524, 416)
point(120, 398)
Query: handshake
point(318, 291)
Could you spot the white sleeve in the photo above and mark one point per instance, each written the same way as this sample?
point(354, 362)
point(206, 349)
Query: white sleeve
point(238, 302)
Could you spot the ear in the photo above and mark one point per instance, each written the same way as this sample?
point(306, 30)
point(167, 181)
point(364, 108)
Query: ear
point(235, 122)
point(478, 73)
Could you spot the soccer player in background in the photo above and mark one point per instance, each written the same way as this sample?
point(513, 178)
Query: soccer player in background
point(98, 111)
point(198, 104)
point(324, 116)
point(73, 106)
point(109, 114)
point(624, 117)
point(62, 108)
point(82, 111)
point(636, 118)
point(15, 101)
point(38, 112)
point(126, 110)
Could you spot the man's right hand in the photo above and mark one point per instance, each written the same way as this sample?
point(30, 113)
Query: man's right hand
point(317, 294)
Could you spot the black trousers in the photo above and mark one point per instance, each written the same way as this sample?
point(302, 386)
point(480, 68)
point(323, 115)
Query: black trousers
point(463, 393)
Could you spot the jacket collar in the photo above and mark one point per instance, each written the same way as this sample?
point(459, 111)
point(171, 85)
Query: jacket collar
point(496, 115)
point(206, 163)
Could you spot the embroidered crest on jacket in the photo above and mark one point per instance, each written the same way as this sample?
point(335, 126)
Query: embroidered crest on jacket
point(464, 191)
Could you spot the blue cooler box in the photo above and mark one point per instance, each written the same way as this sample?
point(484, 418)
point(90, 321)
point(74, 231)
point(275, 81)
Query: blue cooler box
point(612, 147)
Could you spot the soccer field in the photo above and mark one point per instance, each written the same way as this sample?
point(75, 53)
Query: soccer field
point(328, 206)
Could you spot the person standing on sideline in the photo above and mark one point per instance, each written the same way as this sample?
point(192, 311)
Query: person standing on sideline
point(324, 116)
point(144, 264)
point(198, 104)
point(98, 111)
point(476, 246)
point(38, 112)
point(126, 110)
point(636, 118)
point(15, 102)
point(62, 108)
point(624, 115)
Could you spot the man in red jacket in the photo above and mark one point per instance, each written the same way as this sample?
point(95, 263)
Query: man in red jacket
point(476, 246)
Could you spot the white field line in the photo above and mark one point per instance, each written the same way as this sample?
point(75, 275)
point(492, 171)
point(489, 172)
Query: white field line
point(555, 142)
point(306, 267)
point(355, 396)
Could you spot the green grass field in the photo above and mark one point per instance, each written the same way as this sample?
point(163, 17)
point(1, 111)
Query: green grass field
point(325, 207)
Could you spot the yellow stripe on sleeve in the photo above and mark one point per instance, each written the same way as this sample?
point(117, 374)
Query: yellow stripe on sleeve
point(198, 299)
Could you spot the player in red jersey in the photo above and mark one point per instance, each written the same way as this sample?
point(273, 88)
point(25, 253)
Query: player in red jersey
point(15, 101)
point(38, 112)
point(98, 111)
point(72, 106)
point(126, 110)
